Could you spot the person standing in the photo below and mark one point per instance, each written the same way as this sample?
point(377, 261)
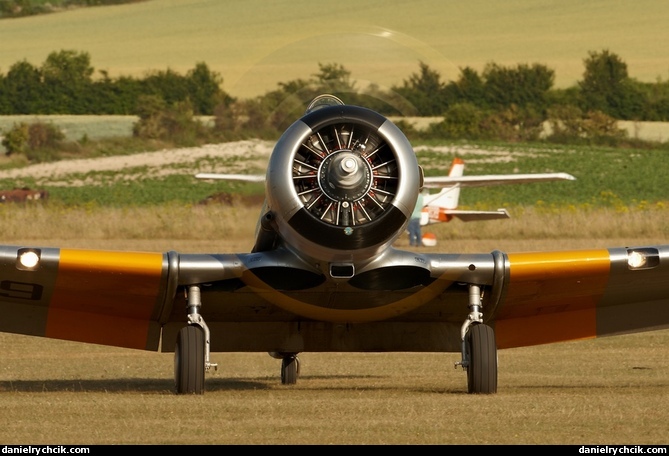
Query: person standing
point(415, 235)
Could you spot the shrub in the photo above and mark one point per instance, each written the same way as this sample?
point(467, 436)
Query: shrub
point(44, 135)
point(570, 124)
point(16, 139)
point(512, 124)
point(158, 120)
point(26, 138)
point(461, 121)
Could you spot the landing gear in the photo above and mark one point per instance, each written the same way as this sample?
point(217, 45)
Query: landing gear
point(479, 350)
point(290, 366)
point(191, 353)
point(189, 361)
point(290, 370)
point(482, 355)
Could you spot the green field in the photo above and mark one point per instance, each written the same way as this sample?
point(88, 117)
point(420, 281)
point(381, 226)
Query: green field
point(256, 44)
point(621, 179)
point(76, 127)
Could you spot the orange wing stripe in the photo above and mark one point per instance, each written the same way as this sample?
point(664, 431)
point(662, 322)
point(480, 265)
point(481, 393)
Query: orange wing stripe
point(554, 297)
point(105, 297)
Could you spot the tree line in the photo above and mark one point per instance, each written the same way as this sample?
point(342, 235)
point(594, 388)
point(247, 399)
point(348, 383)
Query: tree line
point(65, 84)
point(501, 102)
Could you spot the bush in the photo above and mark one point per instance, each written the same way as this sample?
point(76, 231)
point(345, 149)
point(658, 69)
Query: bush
point(512, 124)
point(461, 121)
point(26, 138)
point(570, 125)
point(158, 120)
point(16, 139)
point(44, 135)
point(466, 121)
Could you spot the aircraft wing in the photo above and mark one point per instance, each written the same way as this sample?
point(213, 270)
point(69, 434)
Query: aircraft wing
point(126, 299)
point(430, 181)
point(323, 275)
point(493, 179)
point(109, 298)
point(471, 216)
point(572, 295)
point(232, 177)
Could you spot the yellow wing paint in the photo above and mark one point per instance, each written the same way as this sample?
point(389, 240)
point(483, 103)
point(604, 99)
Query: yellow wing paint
point(554, 297)
point(104, 297)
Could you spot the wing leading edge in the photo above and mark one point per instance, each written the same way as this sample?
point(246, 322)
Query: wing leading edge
point(493, 179)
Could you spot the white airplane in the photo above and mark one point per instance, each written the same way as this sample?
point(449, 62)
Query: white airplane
point(442, 206)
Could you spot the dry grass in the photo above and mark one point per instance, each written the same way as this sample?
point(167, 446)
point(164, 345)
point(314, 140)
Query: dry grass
point(231, 227)
point(606, 391)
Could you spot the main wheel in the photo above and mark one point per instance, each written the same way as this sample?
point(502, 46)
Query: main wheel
point(290, 368)
point(189, 361)
point(482, 355)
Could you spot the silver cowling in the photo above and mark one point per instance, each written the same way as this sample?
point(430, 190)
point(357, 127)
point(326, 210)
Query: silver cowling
point(341, 184)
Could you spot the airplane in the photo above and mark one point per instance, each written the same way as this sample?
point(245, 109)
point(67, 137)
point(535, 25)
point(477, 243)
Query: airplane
point(323, 275)
point(442, 206)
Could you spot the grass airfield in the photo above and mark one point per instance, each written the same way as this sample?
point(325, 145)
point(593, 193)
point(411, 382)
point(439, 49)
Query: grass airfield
point(612, 391)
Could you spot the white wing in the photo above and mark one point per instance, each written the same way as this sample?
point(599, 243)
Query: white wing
point(492, 179)
point(232, 177)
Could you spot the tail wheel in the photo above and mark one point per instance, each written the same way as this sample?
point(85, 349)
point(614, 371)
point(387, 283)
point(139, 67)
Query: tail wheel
point(290, 369)
point(189, 361)
point(482, 356)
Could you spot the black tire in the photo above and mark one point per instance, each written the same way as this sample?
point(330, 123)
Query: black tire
point(189, 361)
point(290, 369)
point(482, 355)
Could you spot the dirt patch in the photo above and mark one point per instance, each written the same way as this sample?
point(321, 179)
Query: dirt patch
point(254, 153)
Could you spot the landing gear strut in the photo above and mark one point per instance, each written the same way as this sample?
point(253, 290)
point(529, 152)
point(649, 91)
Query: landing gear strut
point(191, 353)
point(479, 350)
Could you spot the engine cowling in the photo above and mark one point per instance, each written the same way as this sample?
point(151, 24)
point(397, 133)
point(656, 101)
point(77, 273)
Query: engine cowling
point(341, 184)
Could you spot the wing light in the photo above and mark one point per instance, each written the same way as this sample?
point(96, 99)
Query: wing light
point(642, 258)
point(28, 259)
